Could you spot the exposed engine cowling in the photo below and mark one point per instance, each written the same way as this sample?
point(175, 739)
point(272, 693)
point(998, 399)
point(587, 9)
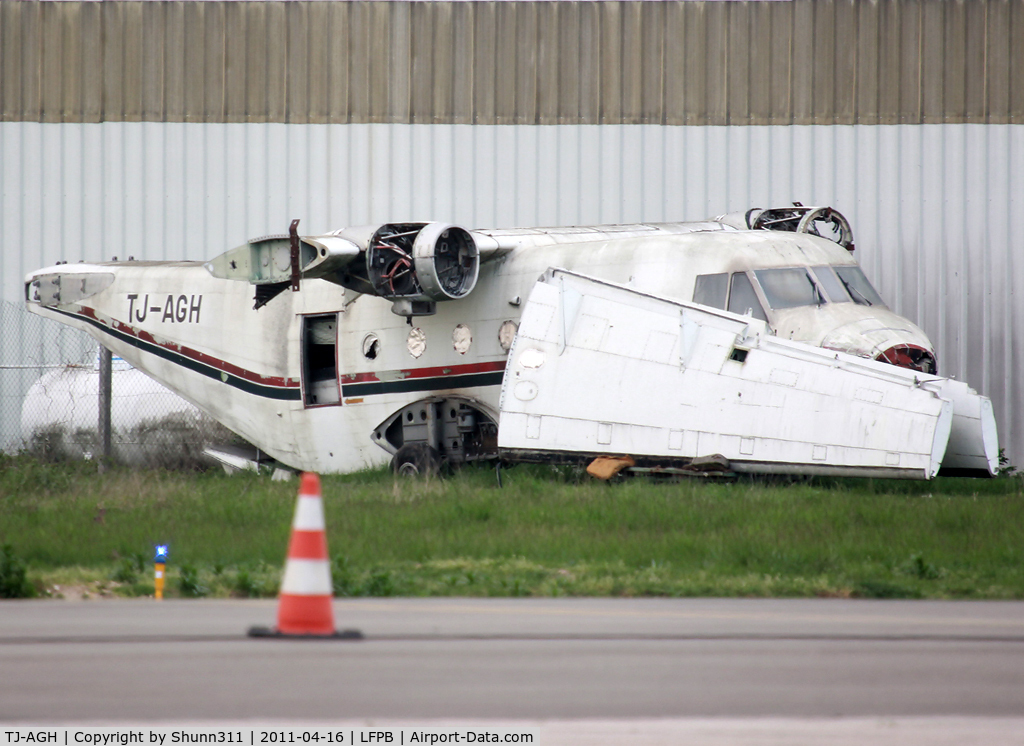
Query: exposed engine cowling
point(818, 221)
point(415, 265)
point(824, 222)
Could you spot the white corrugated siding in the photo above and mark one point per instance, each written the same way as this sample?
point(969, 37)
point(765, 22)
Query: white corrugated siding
point(937, 210)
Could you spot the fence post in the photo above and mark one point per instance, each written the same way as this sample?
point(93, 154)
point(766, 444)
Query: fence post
point(104, 407)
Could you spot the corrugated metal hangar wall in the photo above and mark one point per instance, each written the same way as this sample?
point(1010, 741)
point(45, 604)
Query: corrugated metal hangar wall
point(178, 129)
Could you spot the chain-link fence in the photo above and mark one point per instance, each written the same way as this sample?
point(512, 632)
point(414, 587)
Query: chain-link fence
point(50, 401)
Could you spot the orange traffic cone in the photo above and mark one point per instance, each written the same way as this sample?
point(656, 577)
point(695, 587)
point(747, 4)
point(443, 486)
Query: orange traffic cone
point(304, 603)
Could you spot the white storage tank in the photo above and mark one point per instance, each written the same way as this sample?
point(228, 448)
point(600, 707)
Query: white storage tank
point(150, 425)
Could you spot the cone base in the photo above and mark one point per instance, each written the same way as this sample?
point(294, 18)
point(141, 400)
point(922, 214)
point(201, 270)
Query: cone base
point(305, 615)
point(343, 634)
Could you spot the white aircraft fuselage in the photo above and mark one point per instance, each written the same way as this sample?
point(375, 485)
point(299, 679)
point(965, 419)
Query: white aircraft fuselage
point(312, 376)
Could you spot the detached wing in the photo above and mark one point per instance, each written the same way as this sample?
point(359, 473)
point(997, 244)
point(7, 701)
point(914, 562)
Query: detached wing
point(598, 368)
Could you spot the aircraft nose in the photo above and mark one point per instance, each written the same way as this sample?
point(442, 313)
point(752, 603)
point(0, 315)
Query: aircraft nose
point(885, 337)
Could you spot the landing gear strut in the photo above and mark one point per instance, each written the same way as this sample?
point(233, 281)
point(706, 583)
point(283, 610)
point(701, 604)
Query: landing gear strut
point(438, 432)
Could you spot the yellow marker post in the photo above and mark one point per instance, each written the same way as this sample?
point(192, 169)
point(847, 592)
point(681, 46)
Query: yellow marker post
point(160, 562)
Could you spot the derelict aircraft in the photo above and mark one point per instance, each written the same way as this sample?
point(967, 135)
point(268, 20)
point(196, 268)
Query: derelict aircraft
point(751, 336)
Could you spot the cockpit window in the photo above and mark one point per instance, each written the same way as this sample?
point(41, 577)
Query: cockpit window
point(742, 297)
point(833, 287)
point(710, 290)
point(857, 284)
point(788, 288)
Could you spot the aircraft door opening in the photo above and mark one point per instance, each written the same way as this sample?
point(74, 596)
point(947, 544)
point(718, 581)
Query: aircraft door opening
point(320, 385)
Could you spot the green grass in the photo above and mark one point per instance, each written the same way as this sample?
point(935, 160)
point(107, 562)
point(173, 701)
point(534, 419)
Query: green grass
point(546, 532)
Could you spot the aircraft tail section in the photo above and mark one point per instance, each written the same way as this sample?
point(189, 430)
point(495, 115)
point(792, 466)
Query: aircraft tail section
point(600, 369)
point(195, 334)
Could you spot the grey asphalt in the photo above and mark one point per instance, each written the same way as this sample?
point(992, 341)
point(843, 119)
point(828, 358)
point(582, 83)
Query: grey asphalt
point(143, 660)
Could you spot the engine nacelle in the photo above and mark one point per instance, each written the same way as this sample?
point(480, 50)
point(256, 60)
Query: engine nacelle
point(447, 261)
point(415, 265)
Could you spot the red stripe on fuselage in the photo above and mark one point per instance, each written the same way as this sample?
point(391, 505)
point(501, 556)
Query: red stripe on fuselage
point(200, 357)
point(440, 371)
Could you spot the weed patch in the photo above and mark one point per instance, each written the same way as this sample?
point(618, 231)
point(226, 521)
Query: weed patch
point(129, 568)
point(918, 568)
point(188, 582)
point(883, 589)
point(258, 581)
point(13, 577)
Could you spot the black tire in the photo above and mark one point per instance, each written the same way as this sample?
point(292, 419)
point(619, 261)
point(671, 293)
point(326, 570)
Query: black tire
point(416, 460)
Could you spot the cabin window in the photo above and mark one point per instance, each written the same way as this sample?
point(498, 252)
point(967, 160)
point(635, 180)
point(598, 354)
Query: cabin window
point(833, 288)
point(371, 346)
point(742, 297)
point(856, 282)
point(319, 360)
point(788, 288)
point(710, 290)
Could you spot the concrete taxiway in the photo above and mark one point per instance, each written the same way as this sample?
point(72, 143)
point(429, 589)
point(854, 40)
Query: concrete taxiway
point(658, 660)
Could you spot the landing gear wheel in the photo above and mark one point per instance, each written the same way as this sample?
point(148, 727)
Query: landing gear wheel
point(416, 460)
